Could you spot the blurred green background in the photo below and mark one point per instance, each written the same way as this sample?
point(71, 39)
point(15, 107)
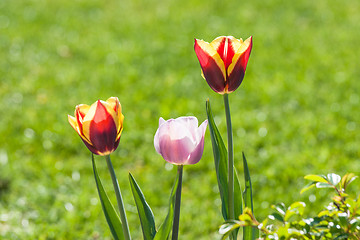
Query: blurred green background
point(296, 113)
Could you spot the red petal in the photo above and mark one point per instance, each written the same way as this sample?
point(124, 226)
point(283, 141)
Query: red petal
point(226, 51)
point(103, 131)
point(91, 147)
point(237, 75)
point(79, 119)
point(212, 72)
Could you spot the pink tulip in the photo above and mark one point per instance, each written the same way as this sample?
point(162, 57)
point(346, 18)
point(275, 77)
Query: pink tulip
point(180, 141)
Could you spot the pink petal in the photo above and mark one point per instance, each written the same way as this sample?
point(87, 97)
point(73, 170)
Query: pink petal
point(196, 155)
point(176, 151)
point(156, 137)
point(189, 123)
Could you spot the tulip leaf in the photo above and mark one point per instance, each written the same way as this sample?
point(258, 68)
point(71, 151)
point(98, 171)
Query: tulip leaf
point(220, 158)
point(166, 227)
point(238, 198)
point(221, 167)
point(110, 213)
point(145, 214)
point(249, 233)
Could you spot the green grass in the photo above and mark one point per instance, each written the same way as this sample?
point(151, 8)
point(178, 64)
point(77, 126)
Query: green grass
point(296, 113)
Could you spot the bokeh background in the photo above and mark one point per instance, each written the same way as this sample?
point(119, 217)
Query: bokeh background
point(296, 113)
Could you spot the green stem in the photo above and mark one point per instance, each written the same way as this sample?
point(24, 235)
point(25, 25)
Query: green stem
point(230, 158)
point(175, 231)
point(120, 203)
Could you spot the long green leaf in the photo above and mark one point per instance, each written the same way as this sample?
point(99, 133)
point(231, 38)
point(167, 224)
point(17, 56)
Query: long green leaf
point(111, 216)
point(145, 214)
point(249, 232)
point(220, 159)
point(238, 198)
point(165, 228)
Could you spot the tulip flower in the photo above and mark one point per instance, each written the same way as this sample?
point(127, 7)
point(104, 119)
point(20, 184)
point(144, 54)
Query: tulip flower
point(223, 62)
point(99, 125)
point(180, 141)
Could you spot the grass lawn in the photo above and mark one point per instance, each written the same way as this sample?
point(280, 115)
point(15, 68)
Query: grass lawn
point(296, 113)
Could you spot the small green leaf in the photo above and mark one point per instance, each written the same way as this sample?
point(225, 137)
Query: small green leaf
point(297, 208)
point(316, 178)
point(145, 214)
point(343, 217)
point(227, 228)
point(333, 178)
point(111, 216)
point(324, 185)
point(280, 207)
point(307, 187)
point(347, 179)
point(276, 216)
point(165, 228)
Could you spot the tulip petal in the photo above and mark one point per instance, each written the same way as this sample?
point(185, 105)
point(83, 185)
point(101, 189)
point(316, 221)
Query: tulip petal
point(91, 147)
point(212, 65)
point(196, 155)
point(114, 103)
point(110, 109)
point(157, 142)
point(202, 129)
point(176, 151)
point(174, 141)
point(224, 47)
point(157, 137)
point(236, 70)
point(191, 124)
point(235, 44)
point(161, 121)
point(73, 123)
point(99, 125)
point(82, 110)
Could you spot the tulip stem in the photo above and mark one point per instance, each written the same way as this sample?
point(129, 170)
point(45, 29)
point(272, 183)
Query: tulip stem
point(120, 203)
point(175, 231)
point(230, 158)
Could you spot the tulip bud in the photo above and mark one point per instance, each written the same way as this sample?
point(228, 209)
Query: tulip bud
point(223, 62)
point(99, 125)
point(180, 141)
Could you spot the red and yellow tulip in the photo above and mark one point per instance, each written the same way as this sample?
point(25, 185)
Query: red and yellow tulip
point(223, 62)
point(99, 125)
